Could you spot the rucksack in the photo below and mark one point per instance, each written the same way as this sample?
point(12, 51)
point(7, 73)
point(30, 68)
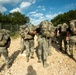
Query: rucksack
point(73, 26)
point(47, 29)
point(64, 27)
point(25, 32)
point(3, 38)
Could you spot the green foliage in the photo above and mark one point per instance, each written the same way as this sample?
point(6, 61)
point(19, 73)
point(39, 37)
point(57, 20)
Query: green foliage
point(66, 17)
point(13, 18)
point(14, 35)
point(12, 21)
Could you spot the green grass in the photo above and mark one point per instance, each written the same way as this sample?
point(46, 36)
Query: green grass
point(14, 35)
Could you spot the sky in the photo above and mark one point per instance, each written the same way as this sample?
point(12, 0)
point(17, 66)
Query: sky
point(37, 10)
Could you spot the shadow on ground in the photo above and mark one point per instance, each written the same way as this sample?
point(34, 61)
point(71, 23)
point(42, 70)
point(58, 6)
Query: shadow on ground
point(56, 46)
point(11, 59)
point(31, 71)
point(14, 56)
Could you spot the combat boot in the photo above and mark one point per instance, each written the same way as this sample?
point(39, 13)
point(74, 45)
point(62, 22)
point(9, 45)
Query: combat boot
point(8, 63)
point(65, 52)
point(27, 59)
point(49, 54)
point(39, 59)
point(61, 49)
point(71, 56)
point(8, 66)
point(32, 57)
point(45, 64)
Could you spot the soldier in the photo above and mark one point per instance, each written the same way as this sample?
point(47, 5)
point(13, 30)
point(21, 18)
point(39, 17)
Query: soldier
point(71, 35)
point(27, 35)
point(22, 35)
point(62, 36)
point(4, 45)
point(57, 33)
point(44, 42)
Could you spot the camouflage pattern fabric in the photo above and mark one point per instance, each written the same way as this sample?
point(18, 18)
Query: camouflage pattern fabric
point(72, 42)
point(47, 29)
point(4, 48)
point(42, 50)
point(72, 37)
point(73, 26)
point(27, 39)
point(4, 52)
point(62, 36)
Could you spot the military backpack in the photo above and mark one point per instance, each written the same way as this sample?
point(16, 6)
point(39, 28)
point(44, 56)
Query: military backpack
point(47, 29)
point(73, 26)
point(4, 37)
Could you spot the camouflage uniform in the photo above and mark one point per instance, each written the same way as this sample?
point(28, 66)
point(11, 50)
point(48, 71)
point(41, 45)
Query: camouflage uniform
point(4, 45)
point(72, 37)
point(62, 36)
point(42, 50)
point(44, 41)
point(22, 35)
point(28, 42)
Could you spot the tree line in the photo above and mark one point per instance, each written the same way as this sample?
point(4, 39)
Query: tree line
point(12, 20)
point(65, 17)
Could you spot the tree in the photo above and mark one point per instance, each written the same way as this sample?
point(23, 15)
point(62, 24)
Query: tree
point(65, 17)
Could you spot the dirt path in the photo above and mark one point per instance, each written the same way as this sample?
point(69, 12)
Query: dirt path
point(59, 64)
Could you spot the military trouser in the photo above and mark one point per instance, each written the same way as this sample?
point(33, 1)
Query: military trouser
point(72, 42)
point(49, 40)
point(63, 37)
point(4, 52)
point(42, 50)
point(29, 48)
point(22, 47)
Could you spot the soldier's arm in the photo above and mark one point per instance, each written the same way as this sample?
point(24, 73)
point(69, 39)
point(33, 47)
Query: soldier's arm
point(32, 32)
point(2, 43)
point(67, 34)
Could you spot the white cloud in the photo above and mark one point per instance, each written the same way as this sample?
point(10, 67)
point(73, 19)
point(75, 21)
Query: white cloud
point(51, 16)
point(37, 15)
point(25, 4)
point(9, 1)
point(32, 12)
point(36, 18)
point(33, 1)
point(15, 10)
point(71, 5)
point(42, 8)
point(2, 9)
point(36, 21)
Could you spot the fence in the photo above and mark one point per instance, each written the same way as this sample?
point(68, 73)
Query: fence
point(12, 28)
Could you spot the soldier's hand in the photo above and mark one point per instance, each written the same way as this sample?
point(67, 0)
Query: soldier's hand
point(2, 43)
point(67, 38)
point(32, 32)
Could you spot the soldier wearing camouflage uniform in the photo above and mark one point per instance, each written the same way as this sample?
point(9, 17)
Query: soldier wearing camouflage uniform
point(44, 42)
point(72, 36)
point(27, 36)
point(62, 36)
point(4, 45)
